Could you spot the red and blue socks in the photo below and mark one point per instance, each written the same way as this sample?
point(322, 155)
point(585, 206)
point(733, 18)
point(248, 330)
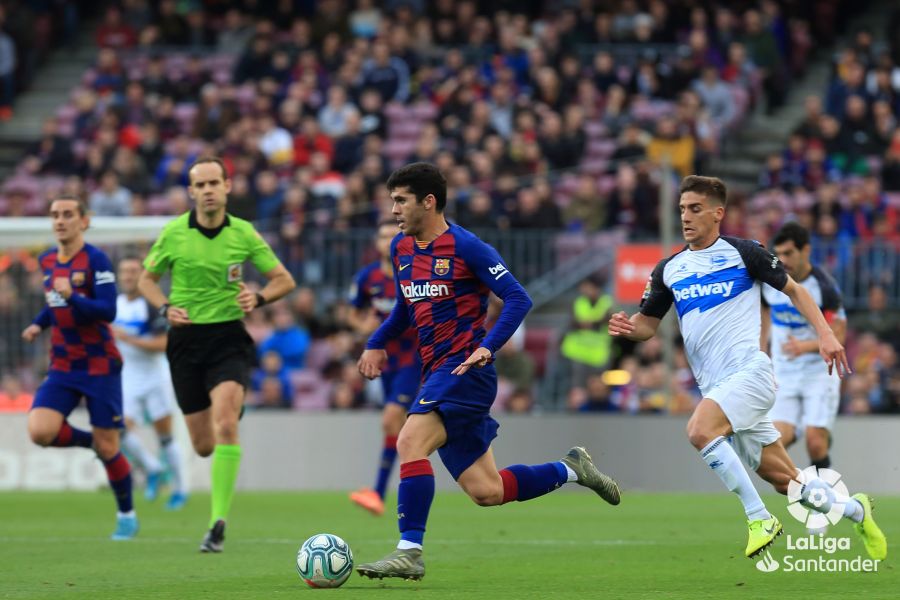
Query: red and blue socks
point(524, 482)
point(69, 436)
point(119, 473)
point(388, 456)
point(414, 497)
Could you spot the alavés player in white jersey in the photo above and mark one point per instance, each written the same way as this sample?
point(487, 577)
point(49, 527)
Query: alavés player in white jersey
point(146, 384)
point(714, 283)
point(807, 398)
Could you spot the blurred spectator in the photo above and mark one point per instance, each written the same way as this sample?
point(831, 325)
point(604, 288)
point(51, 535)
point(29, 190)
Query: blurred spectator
point(515, 366)
point(676, 147)
point(289, 340)
point(113, 32)
point(110, 199)
point(716, 96)
point(51, 154)
point(271, 382)
point(587, 344)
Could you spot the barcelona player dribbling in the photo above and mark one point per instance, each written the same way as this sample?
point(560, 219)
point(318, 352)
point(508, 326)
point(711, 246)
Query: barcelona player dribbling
point(444, 275)
point(80, 287)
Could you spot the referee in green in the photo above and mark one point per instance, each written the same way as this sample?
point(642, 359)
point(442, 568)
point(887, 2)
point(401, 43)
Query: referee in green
point(210, 353)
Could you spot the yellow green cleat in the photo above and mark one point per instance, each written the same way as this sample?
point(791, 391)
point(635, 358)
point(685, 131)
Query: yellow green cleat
point(871, 534)
point(762, 533)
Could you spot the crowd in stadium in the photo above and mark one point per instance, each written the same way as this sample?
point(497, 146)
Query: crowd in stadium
point(540, 118)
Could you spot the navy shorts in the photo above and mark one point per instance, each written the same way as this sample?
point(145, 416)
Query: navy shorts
point(63, 391)
point(463, 402)
point(400, 386)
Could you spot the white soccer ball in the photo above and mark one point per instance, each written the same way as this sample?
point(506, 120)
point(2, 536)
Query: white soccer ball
point(324, 561)
point(818, 497)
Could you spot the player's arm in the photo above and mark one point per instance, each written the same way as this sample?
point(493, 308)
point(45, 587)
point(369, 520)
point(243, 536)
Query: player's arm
point(156, 264)
point(374, 356)
point(102, 307)
point(832, 310)
point(830, 348)
point(41, 322)
point(148, 286)
point(156, 343)
point(638, 328)
point(487, 266)
point(655, 303)
point(280, 283)
point(361, 316)
point(765, 267)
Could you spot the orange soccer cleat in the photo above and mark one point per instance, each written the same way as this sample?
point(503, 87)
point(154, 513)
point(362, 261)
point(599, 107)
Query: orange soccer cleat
point(369, 500)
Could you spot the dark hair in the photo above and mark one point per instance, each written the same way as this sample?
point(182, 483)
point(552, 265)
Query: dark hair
point(422, 179)
point(208, 159)
point(130, 256)
point(792, 232)
point(711, 187)
point(82, 205)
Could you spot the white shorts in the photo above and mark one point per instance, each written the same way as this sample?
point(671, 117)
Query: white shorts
point(807, 399)
point(746, 397)
point(145, 399)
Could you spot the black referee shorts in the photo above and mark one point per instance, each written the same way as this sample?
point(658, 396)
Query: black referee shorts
point(203, 356)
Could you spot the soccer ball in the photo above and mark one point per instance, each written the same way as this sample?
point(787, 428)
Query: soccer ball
point(818, 498)
point(324, 561)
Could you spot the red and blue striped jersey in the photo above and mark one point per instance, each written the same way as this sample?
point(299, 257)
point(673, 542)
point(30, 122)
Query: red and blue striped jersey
point(372, 287)
point(445, 287)
point(81, 339)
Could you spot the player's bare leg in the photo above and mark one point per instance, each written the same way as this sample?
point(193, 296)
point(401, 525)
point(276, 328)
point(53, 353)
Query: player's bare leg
point(777, 468)
point(172, 451)
point(392, 418)
point(817, 442)
point(44, 425)
point(788, 433)
point(420, 436)
point(217, 434)
point(707, 431)
point(143, 458)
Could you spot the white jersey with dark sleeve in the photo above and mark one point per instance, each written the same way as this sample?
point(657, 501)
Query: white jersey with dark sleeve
point(138, 318)
point(787, 321)
point(716, 293)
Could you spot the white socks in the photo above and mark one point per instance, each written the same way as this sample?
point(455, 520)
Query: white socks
point(404, 545)
point(173, 456)
point(853, 510)
point(143, 457)
point(571, 474)
point(724, 462)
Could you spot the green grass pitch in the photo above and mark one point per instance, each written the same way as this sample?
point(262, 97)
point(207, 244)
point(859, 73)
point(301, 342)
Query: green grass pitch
point(566, 545)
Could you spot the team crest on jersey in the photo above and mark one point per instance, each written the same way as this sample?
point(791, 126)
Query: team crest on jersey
point(441, 266)
point(78, 278)
point(235, 272)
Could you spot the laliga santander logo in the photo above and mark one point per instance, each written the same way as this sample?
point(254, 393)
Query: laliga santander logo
point(818, 496)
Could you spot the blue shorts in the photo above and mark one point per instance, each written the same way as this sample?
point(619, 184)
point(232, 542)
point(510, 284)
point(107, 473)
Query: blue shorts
point(463, 402)
point(63, 391)
point(400, 386)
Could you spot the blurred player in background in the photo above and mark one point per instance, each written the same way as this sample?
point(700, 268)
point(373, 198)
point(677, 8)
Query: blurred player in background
point(445, 275)
point(210, 352)
point(714, 283)
point(373, 297)
point(808, 397)
point(80, 287)
point(146, 384)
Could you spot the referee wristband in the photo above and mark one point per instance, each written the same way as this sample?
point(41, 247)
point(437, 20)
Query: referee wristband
point(260, 300)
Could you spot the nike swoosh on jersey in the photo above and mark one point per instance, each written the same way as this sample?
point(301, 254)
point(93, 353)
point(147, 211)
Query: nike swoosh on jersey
point(404, 266)
point(422, 401)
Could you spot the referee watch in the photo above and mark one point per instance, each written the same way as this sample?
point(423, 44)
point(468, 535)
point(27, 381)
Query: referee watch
point(164, 310)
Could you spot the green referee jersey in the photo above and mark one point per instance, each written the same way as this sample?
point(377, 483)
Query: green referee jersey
point(207, 265)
